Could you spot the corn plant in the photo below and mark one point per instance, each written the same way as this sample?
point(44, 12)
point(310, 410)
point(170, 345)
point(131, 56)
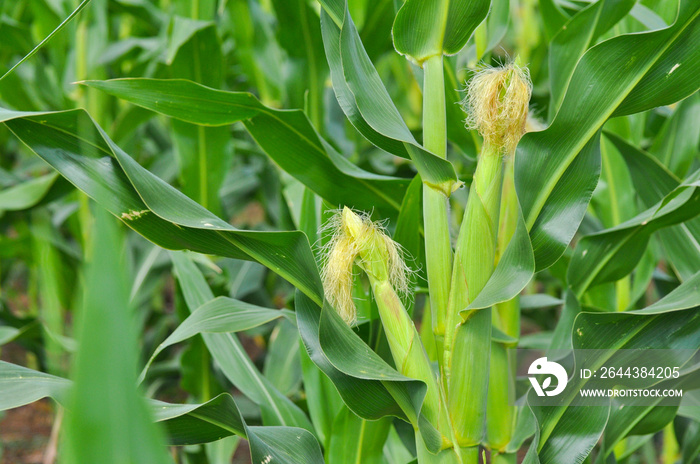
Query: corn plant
point(389, 200)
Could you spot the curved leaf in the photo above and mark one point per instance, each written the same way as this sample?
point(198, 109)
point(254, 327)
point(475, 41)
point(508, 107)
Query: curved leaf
point(350, 355)
point(367, 398)
point(575, 37)
point(189, 424)
point(613, 253)
point(653, 182)
point(671, 323)
point(674, 74)
point(369, 386)
point(286, 136)
point(149, 205)
point(219, 315)
point(26, 194)
point(558, 168)
point(232, 359)
point(628, 419)
point(22, 386)
point(288, 445)
point(186, 424)
point(577, 431)
point(425, 28)
point(367, 103)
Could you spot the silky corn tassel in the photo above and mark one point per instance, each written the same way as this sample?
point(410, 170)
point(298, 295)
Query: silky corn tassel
point(497, 105)
point(356, 237)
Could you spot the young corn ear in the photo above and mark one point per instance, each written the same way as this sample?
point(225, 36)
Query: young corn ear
point(356, 237)
point(497, 103)
point(358, 240)
point(500, 415)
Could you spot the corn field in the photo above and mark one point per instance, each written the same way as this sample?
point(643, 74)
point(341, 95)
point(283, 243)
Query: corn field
point(350, 231)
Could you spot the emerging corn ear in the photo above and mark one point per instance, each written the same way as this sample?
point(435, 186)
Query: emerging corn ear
point(500, 415)
point(357, 240)
point(497, 103)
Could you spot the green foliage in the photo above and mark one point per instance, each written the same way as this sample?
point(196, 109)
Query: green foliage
point(228, 132)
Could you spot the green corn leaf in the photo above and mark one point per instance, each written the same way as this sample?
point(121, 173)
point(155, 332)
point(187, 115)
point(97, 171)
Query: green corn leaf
point(220, 417)
point(576, 433)
point(189, 424)
point(676, 146)
point(185, 424)
point(282, 365)
point(598, 257)
point(349, 354)
point(331, 40)
point(673, 75)
point(106, 362)
point(21, 386)
point(524, 428)
point(657, 417)
point(229, 354)
point(353, 391)
point(149, 205)
point(557, 169)
point(552, 17)
point(653, 182)
point(369, 387)
point(366, 102)
point(115, 192)
point(58, 29)
point(203, 153)
point(181, 33)
point(220, 315)
point(434, 27)
point(288, 445)
point(628, 418)
point(671, 323)
point(578, 35)
point(357, 440)
point(26, 194)
point(285, 135)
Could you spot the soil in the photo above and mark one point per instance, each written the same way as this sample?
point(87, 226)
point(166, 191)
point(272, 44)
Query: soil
point(24, 431)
